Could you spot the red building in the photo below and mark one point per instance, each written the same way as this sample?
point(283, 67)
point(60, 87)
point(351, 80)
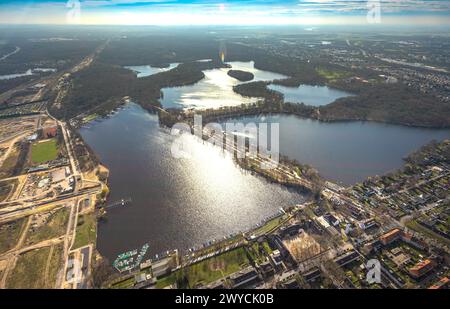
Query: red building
point(421, 268)
point(390, 236)
point(444, 283)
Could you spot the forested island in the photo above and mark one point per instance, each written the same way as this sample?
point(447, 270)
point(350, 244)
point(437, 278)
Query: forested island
point(242, 76)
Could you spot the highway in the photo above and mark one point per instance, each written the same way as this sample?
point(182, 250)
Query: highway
point(8, 215)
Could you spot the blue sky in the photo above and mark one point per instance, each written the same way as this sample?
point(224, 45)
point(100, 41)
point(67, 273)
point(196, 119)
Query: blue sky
point(230, 12)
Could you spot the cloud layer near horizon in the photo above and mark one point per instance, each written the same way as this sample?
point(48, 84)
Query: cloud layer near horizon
point(223, 11)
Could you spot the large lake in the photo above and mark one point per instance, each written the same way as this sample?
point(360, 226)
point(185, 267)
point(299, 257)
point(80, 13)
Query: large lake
point(348, 152)
point(177, 203)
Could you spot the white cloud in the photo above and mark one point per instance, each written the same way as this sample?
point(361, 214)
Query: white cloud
point(387, 6)
point(209, 12)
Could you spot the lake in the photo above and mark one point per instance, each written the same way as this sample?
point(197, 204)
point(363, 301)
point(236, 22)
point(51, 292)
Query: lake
point(215, 90)
point(176, 203)
point(147, 70)
point(12, 76)
point(28, 72)
point(310, 95)
point(347, 152)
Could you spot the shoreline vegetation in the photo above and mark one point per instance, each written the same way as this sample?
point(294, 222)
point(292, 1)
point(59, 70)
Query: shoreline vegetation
point(102, 86)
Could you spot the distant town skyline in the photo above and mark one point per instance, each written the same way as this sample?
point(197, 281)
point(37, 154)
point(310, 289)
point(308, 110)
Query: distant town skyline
point(225, 12)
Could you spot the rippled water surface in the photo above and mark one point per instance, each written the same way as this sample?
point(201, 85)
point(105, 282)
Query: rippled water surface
point(177, 203)
point(310, 95)
point(215, 90)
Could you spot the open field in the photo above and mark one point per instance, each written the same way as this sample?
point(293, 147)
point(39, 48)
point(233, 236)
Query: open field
point(7, 168)
point(216, 267)
point(30, 270)
point(9, 128)
point(37, 269)
point(42, 152)
point(86, 231)
point(48, 225)
point(6, 187)
point(10, 233)
point(54, 265)
point(204, 272)
point(270, 225)
point(332, 75)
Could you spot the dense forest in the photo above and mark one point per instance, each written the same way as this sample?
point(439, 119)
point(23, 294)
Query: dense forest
point(47, 54)
point(105, 85)
point(256, 89)
point(389, 103)
point(8, 84)
point(94, 86)
point(160, 50)
point(297, 72)
point(242, 76)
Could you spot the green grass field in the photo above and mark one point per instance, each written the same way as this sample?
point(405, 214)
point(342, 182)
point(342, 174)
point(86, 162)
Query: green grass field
point(332, 75)
point(166, 281)
point(86, 231)
point(270, 225)
point(90, 117)
point(44, 151)
point(216, 267)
